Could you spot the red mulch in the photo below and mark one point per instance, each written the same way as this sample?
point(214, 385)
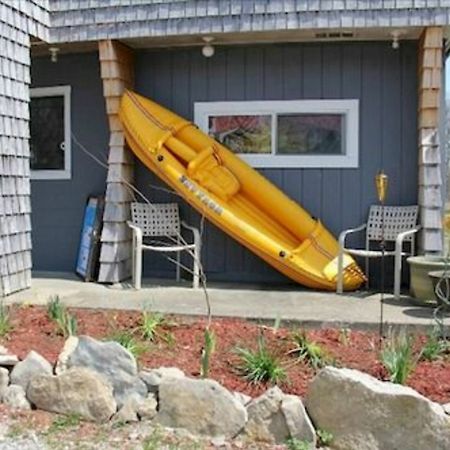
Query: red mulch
point(33, 330)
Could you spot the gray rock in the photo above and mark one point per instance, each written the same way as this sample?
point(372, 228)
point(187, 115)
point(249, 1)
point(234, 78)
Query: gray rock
point(367, 414)
point(76, 391)
point(128, 412)
point(4, 381)
point(110, 359)
point(147, 408)
point(8, 360)
point(201, 407)
point(274, 417)
point(446, 407)
point(15, 397)
point(34, 364)
point(153, 377)
point(243, 398)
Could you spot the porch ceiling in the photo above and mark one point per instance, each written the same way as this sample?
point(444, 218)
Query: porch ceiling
point(40, 48)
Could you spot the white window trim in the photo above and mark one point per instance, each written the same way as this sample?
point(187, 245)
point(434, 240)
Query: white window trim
point(349, 107)
point(66, 173)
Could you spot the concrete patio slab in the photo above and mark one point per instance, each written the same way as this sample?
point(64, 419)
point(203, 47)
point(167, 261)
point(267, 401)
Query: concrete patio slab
point(291, 304)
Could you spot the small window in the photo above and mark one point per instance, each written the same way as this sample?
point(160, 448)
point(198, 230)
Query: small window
point(297, 133)
point(50, 155)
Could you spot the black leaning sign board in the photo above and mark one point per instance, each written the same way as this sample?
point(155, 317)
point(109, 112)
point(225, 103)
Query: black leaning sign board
point(89, 249)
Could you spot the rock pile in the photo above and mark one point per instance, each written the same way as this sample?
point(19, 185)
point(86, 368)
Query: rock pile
point(100, 381)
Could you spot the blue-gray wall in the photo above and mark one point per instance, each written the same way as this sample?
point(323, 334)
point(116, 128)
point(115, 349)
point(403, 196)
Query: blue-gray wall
point(383, 79)
point(58, 205)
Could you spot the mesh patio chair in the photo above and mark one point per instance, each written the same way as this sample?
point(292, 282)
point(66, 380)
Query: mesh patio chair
point(161, 220)
point(400, 225)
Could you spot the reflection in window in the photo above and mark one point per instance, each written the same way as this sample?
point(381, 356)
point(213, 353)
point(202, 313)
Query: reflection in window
point(317, 134)
point(242, 134)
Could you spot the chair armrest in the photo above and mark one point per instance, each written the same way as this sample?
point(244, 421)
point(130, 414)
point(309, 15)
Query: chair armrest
point(344, 233)
point(135, 229)
point(401, 236)
point(195, 231)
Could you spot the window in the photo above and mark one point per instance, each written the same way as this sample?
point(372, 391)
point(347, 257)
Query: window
point(50, 136)
point(292, 133)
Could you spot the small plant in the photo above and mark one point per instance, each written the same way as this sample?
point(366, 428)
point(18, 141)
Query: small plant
point(154, 441)
point(127, 340)
point(65, 322)
point(260, 365)
point(434, 346)
point(344, 336)
point(296, 444)
point(5, 320)
point(397, 357)
point(325, 437)
point(309, 351)
point(151, 324)
point(207, 351)
point(63, 422)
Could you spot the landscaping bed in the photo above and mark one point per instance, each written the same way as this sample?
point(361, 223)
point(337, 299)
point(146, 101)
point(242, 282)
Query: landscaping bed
point(178, 342)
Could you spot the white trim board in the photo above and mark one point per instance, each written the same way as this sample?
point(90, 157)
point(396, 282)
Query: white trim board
point(66, 173)
point(348, 107)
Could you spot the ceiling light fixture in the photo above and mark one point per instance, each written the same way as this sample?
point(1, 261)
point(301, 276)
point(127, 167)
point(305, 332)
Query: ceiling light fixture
point(53, 54)
point(208, 49)
point(395, 39)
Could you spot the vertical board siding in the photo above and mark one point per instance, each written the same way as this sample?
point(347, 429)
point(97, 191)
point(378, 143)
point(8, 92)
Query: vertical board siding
point(382, 79)
point(58, 205)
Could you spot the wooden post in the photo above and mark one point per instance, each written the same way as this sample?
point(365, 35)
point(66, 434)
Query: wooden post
point(117, 69)
point(430, 179)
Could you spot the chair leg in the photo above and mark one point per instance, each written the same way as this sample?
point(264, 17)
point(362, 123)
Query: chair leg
point(397, 272)
point(137, 272)
point(340, 277)
point(177, 270)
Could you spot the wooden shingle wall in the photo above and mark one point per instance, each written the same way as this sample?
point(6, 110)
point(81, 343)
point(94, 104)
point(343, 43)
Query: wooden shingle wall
point(430, 179)
point(17, 22)
point(116, 64)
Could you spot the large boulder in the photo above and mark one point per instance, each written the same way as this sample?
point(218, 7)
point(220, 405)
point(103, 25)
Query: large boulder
point(76, 391)
point(154, 377)
point(363, 413)
point(110, 359)
point(275, 417)
point(34, 364)
point(200, 407)
point(14, 396)
point(4, 381)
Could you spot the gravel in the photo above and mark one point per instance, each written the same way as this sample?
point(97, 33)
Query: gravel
point(30, 443)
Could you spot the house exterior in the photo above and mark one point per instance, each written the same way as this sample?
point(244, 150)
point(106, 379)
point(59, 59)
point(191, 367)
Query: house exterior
point(320, 95)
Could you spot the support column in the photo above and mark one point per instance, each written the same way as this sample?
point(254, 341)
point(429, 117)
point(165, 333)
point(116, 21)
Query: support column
point(430, 179)
point(117, 72)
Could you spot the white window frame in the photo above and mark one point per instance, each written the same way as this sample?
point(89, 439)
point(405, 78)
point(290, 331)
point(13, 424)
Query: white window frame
point(66, 173)
point(347, 107)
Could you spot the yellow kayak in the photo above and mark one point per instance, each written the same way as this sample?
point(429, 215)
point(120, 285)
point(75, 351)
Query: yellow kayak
point(234, 196)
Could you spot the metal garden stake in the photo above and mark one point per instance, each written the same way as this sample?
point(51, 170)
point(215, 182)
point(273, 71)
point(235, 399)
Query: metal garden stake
point(381, 182)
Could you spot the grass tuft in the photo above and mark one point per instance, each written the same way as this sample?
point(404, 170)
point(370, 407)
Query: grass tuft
point(434, 347)
point(297, 444)
point(397, 357)
point(5, 320)
point(260, 365)
point(129, 342)
point(66, 323)
point(309, 351)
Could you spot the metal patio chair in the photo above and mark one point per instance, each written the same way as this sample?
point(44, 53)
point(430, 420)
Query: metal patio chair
point(161, 220)
point(400, 225)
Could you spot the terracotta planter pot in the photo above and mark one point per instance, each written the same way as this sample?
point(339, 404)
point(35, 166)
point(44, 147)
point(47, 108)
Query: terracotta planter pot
point(421, 286)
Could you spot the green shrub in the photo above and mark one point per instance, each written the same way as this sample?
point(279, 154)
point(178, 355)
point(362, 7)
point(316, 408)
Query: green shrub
point(208, 349)
point(325, 437)
point(128, 341)
point(311, 352)
point(65, 322)
point(5, 320)
point(260, 365)
point(397, 357)
point(434, 346)
point(296, 444)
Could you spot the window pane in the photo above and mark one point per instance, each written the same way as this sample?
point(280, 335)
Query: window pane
point(242, 134)
point(310, 134)
point(47, 133)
